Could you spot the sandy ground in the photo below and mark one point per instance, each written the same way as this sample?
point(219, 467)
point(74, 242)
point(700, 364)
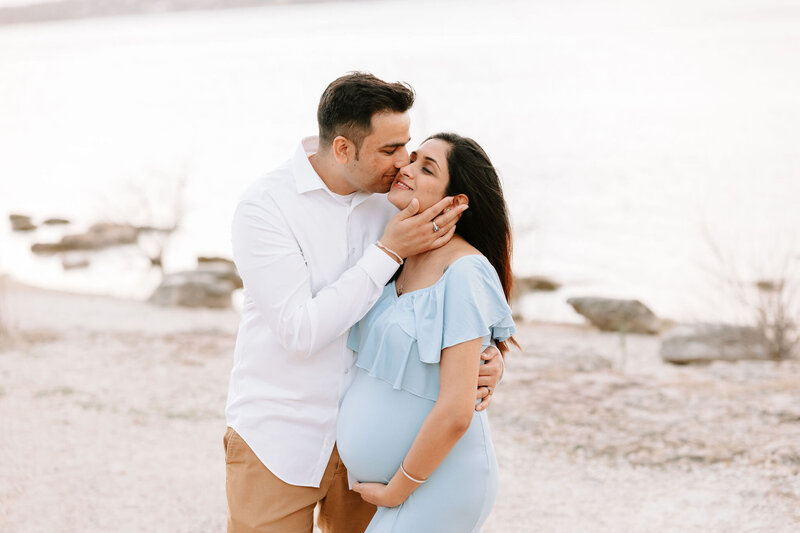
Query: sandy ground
point(112, 417)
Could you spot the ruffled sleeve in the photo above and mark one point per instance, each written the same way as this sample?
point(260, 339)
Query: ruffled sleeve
point(400, 341)
point(474, 304)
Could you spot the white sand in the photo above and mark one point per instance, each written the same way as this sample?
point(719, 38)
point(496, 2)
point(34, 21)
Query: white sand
point(113, 421)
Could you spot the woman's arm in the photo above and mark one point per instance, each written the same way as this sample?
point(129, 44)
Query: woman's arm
point(445, 424)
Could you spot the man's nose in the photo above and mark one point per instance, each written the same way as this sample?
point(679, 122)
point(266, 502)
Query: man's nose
point(402, 158)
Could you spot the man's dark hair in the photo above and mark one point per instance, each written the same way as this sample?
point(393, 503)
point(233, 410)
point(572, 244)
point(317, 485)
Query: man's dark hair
point(347, 105)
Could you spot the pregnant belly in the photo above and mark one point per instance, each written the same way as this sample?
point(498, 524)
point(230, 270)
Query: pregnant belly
point(377, 425)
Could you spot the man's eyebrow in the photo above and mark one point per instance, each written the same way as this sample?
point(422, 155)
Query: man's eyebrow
point(395, 145)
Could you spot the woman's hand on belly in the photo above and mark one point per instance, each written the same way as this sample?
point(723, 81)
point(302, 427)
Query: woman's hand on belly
point(382, 495)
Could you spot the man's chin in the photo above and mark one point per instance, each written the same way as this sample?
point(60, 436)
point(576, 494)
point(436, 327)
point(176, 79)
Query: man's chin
point(383, 187)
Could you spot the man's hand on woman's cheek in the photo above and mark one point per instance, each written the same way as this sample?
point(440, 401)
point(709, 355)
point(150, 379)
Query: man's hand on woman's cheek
point(410, 232)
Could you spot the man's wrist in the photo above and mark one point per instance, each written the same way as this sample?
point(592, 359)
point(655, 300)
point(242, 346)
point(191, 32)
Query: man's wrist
point(390, 252)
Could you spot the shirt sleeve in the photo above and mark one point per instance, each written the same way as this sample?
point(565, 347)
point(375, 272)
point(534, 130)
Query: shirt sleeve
point(276, 278)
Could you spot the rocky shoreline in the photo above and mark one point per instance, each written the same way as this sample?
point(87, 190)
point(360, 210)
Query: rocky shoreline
point(117, 409)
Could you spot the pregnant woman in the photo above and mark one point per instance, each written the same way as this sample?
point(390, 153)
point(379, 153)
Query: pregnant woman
point(408, 432)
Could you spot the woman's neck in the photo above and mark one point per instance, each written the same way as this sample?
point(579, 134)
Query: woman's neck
point(430, 255)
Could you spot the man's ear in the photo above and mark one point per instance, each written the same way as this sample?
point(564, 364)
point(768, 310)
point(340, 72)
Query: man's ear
point(343, 150)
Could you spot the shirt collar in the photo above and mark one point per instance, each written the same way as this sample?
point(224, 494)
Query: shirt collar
point(306, 178)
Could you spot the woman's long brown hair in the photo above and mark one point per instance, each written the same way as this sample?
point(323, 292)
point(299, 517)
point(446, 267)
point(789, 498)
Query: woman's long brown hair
point(485, 225)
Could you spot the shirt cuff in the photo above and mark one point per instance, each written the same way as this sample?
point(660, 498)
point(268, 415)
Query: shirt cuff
point(378, 265)
point(503, 371)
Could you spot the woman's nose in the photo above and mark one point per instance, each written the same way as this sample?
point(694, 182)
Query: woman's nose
point(405, 170)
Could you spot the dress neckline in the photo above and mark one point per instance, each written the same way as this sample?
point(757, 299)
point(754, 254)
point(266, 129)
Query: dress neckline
point(446, 270)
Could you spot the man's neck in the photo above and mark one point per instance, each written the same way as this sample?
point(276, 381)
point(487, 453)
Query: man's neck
point(328, 171)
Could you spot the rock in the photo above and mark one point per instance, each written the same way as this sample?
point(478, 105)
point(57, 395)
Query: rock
point(534, 283)
point(221, 267)
point(768, 285)
point(713, 342)
point(47, 248)
point(213, 259)
point(193, 289)
point(69, 262)
point(21, 223)
point(609, 314)
point(103, 235)
point(56, 221)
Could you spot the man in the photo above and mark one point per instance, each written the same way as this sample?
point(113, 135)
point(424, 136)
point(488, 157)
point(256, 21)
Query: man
point(315, 247)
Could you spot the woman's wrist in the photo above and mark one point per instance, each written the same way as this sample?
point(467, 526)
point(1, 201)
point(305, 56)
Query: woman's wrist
point(400, 487)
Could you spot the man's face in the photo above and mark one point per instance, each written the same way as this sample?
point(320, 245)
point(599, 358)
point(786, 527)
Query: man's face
point(382, 153)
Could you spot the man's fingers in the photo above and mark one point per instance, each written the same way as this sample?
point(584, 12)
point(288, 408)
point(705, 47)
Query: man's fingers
point(444, 239)
point(484, 404)
point(490, 371)
point(451, 216)
point(483, 392)
point(487, 381)
point(434, 210)
point(410, 210)
point(490, 353)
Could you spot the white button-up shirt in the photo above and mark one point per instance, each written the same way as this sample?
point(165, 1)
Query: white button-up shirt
point(310, 270)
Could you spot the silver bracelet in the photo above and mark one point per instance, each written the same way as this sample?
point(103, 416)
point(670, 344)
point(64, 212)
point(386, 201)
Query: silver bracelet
point(379, 244)
point(403, 470)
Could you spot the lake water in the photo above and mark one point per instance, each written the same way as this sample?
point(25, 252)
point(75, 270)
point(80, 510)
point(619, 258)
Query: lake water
point(624, 131)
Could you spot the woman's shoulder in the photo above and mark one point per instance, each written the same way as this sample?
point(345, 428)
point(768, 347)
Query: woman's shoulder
point(471, 272)
point(456, 251)
point(467, 258)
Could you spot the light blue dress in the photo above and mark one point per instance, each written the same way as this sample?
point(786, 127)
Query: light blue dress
point(399, 345)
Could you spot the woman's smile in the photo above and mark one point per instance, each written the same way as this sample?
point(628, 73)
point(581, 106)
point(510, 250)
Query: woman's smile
point(399, 184)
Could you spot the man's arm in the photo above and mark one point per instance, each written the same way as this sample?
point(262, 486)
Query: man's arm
point(276, 276)
point(277, 279)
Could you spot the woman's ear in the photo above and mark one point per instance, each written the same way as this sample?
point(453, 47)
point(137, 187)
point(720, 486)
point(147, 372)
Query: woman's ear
point(460, 199)
point(342, 149)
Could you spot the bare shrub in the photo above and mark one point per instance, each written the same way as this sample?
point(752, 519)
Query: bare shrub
point(156, 206)
point(769, 300)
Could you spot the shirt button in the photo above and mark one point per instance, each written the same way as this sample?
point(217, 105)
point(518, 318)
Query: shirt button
point(353, 251)
point(347, 371)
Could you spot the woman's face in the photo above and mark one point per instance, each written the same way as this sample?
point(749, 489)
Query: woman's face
point(424, 178)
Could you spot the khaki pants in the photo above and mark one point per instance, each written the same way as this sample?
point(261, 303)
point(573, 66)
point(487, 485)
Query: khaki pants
point(259, 502)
